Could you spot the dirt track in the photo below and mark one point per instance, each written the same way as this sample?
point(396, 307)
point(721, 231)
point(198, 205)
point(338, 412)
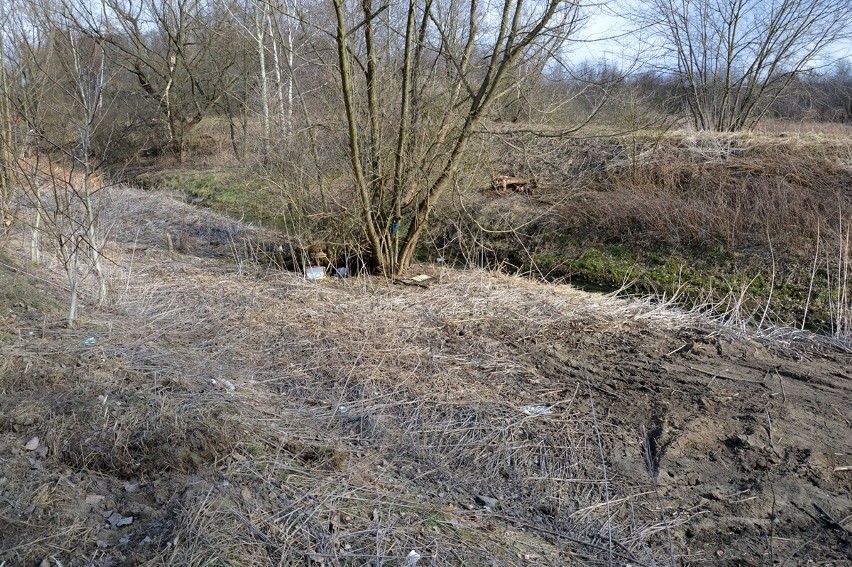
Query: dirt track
point(229, 415)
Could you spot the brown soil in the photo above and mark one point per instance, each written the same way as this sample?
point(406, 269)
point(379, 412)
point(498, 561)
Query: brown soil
point(231, 415)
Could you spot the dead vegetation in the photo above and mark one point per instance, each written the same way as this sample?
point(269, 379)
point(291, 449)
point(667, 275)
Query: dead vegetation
point(755, 221)
point(687, 191)
point(217, 411)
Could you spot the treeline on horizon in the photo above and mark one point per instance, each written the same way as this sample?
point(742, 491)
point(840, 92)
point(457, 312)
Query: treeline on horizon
point(159, 67)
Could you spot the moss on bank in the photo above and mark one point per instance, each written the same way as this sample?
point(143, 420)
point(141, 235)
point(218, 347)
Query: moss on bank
point(234, 191)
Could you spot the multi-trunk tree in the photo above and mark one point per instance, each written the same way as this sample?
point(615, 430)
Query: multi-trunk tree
point(416, 80)
point(734, 58)
point(175, 51)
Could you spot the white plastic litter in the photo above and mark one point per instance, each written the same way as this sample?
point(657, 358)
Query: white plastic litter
point(536, 410)
point(315, 273)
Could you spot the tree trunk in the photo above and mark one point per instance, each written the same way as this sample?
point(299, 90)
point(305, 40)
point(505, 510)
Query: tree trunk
point(35, 245)
point(260, 18)
point(7, 151)
point(73, 277)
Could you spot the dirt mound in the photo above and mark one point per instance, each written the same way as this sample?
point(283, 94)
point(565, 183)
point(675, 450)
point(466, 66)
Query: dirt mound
point(219, 413)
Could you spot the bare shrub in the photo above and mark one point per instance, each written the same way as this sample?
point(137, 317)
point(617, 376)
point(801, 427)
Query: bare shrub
point(692, 191)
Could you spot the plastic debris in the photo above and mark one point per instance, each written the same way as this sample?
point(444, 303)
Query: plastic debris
point(315, 273)
point(536, 409)
point(412, 558)
point(90, 341)
point(223, 384)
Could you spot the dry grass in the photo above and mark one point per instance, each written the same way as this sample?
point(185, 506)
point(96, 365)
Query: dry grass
point(751, 225)
point(683, 190)
point(728, 192)
point(272, 419)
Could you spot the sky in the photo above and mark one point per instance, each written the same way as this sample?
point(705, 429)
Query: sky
point(607, 37)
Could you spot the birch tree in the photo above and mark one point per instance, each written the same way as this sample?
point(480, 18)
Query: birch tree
point(283, 52)
point(257, 23)
point(261, 22)
point(272, 34)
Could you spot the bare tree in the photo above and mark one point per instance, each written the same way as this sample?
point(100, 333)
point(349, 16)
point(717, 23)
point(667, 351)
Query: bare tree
point(259, 22)
point(836, 93)
point(8, 145)
point(171, 48)
point(416, 80)
point(734, 58)
point(283, 48)
point(59, 172)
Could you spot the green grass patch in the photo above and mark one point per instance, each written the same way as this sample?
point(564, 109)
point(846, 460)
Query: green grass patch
point(699, 280)
point(236, 191)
